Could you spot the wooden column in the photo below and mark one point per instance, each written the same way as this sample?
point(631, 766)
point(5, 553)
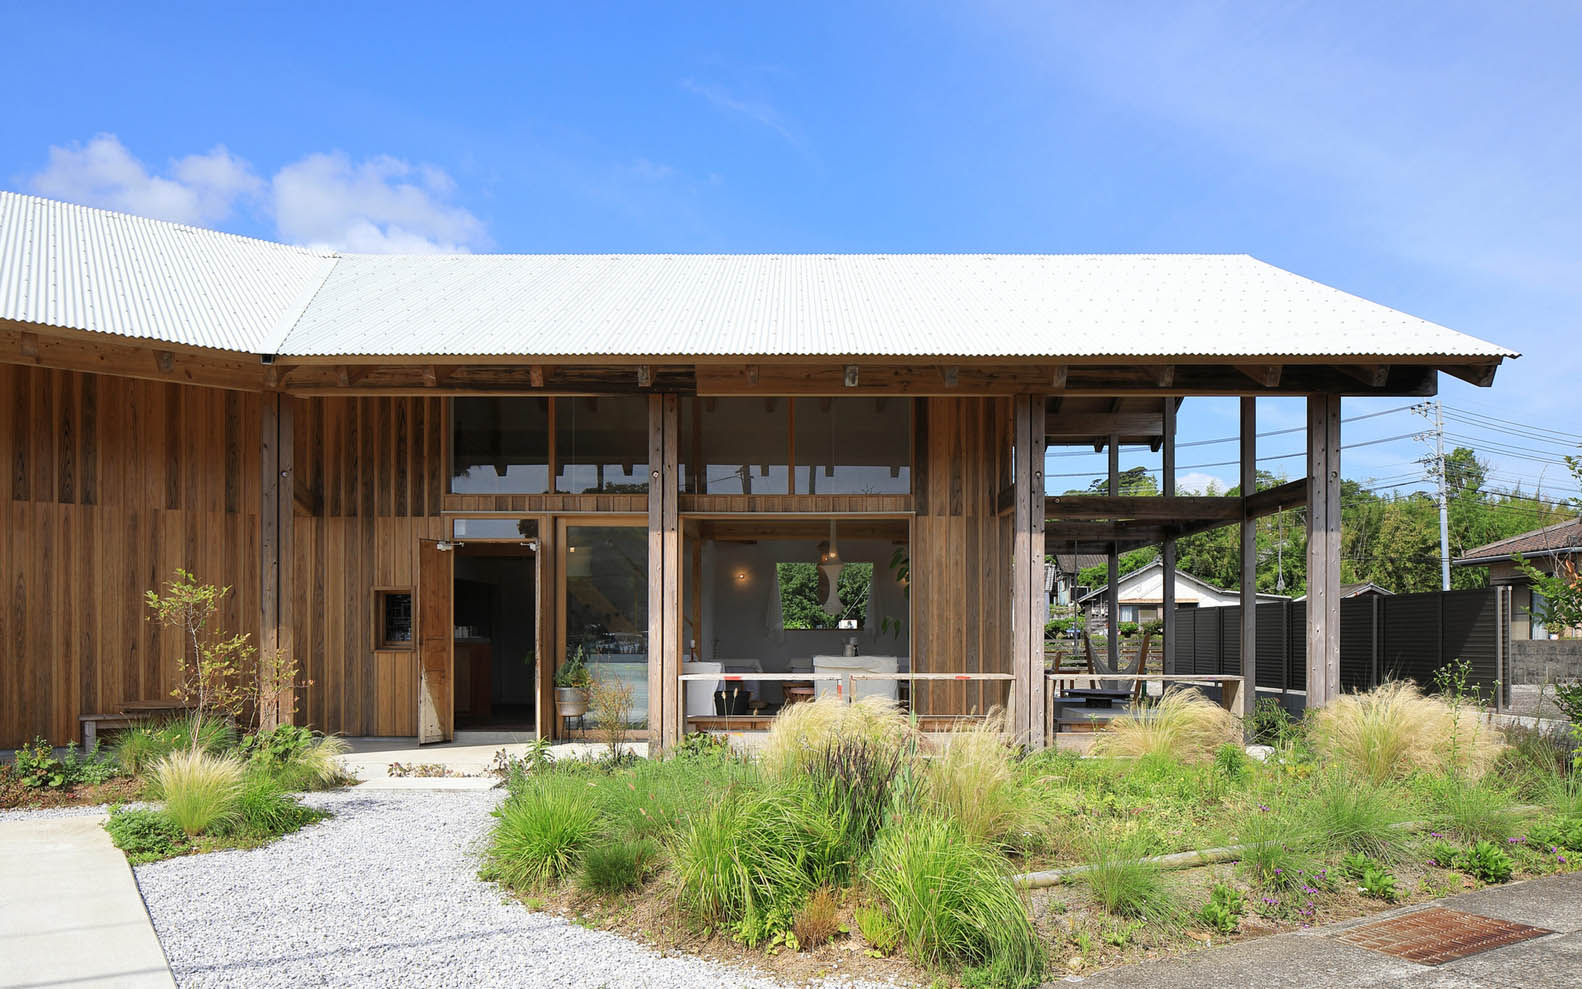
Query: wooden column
point(275, 515)
point(1112, 594)
point(1027, 570)
point(664, 576)
point(1247, 696)
point(1323, 549)
point(1168, 552)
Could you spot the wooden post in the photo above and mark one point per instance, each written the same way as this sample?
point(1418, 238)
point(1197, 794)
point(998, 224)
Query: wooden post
point(275, 516)
point(664, 576)
point(1168, 597)
point(1248, 695)
point(1027, 566)
point(1112, 595)
point(1323, 549)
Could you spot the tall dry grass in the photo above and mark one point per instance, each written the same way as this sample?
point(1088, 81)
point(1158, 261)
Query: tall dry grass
point(1182, 725)
point(1394, 730)
point(974, 779)
point(201, 791)
point(801, 733)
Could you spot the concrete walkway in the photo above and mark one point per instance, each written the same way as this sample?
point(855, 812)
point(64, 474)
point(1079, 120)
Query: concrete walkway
point(1317, 958)
point(70, 912)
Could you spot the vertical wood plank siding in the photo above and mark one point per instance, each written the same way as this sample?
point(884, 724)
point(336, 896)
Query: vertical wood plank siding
point(112, 483)
point(961, 552)
point(369, 473)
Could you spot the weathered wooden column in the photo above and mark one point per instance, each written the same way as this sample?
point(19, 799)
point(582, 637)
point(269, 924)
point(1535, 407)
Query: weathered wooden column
point(1247, 697)
point(275, 515)
point(664, 575)
point(1027, 572)
point(1323, 549)
point(1167, 601)
point(1112, 594)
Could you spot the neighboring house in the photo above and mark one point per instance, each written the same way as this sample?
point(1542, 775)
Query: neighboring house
point(1141, 595)
point(1543, 548)
point(432, 480)
point(1060, 576)
point(1367, 589)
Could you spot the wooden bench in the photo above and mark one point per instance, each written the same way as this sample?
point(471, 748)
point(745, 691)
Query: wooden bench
point(131, 713)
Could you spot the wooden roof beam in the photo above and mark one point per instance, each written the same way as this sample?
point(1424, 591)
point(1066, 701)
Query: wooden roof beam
point(1372, 375)
point(1266, 375)
point(1143, 508)
point(1481, 375)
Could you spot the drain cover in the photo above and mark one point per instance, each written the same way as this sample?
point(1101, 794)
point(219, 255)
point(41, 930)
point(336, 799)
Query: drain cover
point(1435, 935)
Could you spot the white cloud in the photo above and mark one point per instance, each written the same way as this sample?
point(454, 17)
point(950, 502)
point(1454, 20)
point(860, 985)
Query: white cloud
point(382, 205)
point(1200, 483)
point(758, 111)
point(198, 189)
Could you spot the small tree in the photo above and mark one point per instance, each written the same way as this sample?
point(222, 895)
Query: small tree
point(611, 704)
point(212, 675)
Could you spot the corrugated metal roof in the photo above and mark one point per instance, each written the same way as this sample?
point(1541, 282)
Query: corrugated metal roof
point(91, 269)
point(72, 266)
point(851, 305)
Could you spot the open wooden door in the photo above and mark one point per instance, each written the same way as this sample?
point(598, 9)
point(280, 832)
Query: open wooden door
point(436, 709)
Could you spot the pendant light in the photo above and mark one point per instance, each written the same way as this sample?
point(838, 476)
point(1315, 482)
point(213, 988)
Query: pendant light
point(831, 566)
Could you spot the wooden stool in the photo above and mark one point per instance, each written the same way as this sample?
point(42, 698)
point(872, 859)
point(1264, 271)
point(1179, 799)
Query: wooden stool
point(797, 691)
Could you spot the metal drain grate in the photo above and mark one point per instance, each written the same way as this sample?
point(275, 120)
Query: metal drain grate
point(1435, 935)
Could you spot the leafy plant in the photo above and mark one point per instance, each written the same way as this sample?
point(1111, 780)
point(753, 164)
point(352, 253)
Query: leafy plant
point(37, 767)
point(617, 867)
point(145, 835)
point(541, 832)
point(1272, 724)
point(1232, 761)
point(1376, 881)
point(878, 928)
point(1487, 862)
point(211, 673)
point(200, 790)
point(90, 768)
point(574, 673)
point(953, 902)
point(1183, 724)
point(1442, 853)
point(1564, 833)
point(1223, 910)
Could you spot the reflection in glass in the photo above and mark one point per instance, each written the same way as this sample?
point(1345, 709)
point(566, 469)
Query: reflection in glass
point(735, 445)
point(606, 579)
point(601, 444)
point(499, 446)
point(853, 445)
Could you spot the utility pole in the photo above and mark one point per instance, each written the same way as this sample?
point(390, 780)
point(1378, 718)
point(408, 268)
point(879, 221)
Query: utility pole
point(1444, 497)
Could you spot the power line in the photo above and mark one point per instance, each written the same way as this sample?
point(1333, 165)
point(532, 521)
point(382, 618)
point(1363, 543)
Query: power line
point(1234, 439)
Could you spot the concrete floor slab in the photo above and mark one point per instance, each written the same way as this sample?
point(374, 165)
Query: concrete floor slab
point(70, 911)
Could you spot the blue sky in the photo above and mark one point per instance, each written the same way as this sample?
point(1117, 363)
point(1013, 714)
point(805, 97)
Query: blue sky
point(1419, 154)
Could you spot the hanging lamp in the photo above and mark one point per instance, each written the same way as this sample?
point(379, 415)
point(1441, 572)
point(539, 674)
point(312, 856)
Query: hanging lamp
point(830, 566)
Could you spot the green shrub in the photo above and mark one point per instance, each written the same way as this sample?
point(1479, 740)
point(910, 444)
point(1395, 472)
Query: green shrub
point(1126, 884)
point(953, 902)
point(878, 928)
point(145, 835)
point(1487, 862)
point(88, 768)
point(298, 758)
point(1469, 810)
point(263, 810)
point(617, 867)
point(743, 862)
point(1348, 815)
point(541, 832)
point(1223, 910)
point(37, 767)
point(200, 790)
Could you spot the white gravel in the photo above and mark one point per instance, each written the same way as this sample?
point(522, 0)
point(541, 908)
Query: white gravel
point(385, 893)
point(51, 813)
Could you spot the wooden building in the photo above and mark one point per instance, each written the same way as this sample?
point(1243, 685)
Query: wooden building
point(434, 480)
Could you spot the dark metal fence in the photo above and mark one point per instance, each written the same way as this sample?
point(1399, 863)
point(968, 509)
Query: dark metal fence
point(1398, 637)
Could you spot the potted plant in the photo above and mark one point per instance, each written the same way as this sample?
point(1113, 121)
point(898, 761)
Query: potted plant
point(572, 681)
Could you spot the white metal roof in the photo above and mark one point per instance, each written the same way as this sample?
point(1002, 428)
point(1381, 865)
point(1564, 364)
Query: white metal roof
point(72, 266)
point(91, 269)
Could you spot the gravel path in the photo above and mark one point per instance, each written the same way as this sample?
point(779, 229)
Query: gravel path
point(385, 894)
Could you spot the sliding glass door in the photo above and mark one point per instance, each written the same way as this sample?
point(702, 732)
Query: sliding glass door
point(604, 608)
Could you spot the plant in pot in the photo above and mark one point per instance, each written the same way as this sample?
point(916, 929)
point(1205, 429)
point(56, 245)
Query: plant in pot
point(572, 681)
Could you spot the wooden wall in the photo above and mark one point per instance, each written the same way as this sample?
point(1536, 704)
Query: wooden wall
point(960, 551)
point(110, 484)
point(369, 483)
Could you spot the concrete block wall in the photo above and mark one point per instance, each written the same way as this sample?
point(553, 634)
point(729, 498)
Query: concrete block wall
point(1538, 661)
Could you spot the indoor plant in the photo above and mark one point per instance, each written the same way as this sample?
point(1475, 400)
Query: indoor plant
point(572, 681)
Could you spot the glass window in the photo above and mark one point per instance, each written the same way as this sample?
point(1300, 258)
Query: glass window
point(494, 528)
point(853, 445)
point(601, 444)
point(735, 445)
point(499, 446)
point(804, 591)
point(606, 579)
point(395, 619)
